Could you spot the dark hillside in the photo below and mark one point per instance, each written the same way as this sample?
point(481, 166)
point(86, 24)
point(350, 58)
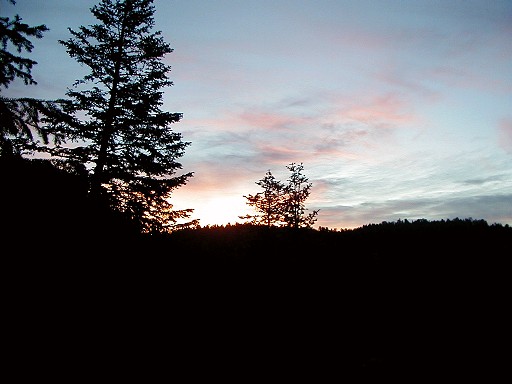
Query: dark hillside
point(421, 295)
point(401, 298)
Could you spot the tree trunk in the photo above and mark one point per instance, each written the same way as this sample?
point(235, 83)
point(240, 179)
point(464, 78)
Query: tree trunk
point(108, 129)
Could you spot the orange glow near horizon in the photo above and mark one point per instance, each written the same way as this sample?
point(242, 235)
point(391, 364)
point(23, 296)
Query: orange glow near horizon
point(214, 210)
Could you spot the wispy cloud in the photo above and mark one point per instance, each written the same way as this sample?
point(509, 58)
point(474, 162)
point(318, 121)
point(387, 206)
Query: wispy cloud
point(378, 111)
point(271, 120)
point(485, 180)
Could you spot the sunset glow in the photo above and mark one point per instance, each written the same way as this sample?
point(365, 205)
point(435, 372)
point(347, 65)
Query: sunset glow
point(216, 210)
point(396, 109)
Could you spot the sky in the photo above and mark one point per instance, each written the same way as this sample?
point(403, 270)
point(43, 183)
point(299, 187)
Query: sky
point(396, 109)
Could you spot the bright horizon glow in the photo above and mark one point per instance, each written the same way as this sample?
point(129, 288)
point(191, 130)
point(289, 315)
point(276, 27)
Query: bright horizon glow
point(398, 110)
point(217, 210)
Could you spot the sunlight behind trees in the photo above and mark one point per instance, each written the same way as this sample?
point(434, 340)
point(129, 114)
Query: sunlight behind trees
point(282, 204)
point(221, 210)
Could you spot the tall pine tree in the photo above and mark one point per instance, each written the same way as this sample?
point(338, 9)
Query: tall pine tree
point(125, 138)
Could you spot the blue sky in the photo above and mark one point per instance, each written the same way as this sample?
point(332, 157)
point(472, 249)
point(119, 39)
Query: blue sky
point(397, 109)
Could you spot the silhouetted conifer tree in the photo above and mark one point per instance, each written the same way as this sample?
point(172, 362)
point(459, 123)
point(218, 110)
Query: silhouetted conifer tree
point(268, 203)
point(281, 204)
point(20, 117)
point(15, 33)
point(297, 191)
point(125, 137)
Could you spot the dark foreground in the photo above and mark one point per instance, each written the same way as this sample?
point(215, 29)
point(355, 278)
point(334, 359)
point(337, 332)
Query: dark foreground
point(399, 300)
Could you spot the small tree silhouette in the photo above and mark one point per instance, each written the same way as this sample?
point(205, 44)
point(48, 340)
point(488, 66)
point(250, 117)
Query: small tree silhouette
point(269, 202)
point(297, 191)
point(281, 204)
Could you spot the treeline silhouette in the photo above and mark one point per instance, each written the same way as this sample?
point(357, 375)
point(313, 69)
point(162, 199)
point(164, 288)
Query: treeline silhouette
point(407, 296)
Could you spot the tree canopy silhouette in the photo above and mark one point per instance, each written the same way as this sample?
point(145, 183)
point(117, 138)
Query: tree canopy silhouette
point(297, 192)
point(282, 204)
point(124, 137)
point(14, 32)
point(268, 203)
point(20, 117)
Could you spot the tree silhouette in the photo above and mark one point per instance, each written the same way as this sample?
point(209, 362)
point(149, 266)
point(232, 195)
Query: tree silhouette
point(281, 204)
point(268, 203)
point(15, 33)
point(125, 138)
point(297, 191)
point(19, 117)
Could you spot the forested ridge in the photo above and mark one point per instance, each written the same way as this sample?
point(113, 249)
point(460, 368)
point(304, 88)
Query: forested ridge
point(406, 296)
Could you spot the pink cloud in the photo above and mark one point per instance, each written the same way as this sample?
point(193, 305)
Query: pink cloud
point(221, 123)
point(381, 111)
point(280, 154)
point(271, 120)
point(221, 172)
point(411, 83)
point(250, 120)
